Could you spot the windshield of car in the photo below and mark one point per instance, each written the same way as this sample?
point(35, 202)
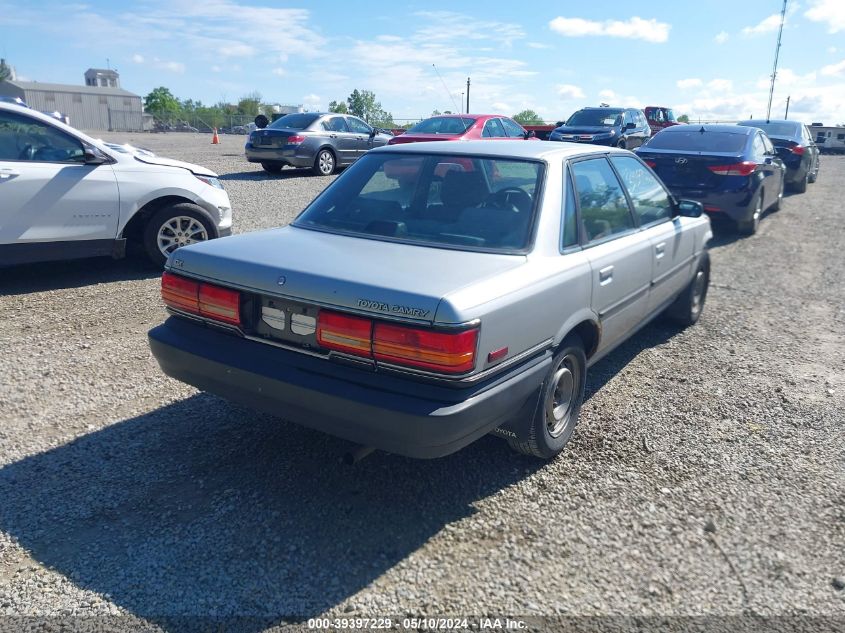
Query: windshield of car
point(776, 128)
point(452, 201)
point(443, 125)
point(697, 141)
point(596, 118)
point(670, 116)
point(297, 121)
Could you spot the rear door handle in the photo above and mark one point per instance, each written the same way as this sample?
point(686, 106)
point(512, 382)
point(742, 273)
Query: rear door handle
point(332, 135)
point(606, 275)
point(7, 172)
point(660, 250)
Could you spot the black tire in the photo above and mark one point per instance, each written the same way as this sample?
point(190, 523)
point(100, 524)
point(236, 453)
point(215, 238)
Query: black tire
point(271, 168)
point(801, 185)
point(621, 144)
point(325, 163)
point(686, 310)
point(779, 199)
point(192, 218)
point(815, 175)
point(562, 395)
point(749, 227)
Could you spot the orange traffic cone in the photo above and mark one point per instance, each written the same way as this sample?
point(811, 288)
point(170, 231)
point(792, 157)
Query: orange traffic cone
point(215, 140)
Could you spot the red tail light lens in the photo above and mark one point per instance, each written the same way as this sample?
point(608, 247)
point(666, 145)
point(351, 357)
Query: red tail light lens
point(180, 293)
point(220, 304)
point(295, 140)
point(447, 352)
point(651, 163)
point(344, 333)
point(745, 168)
point(213, 302)
point(798, 149)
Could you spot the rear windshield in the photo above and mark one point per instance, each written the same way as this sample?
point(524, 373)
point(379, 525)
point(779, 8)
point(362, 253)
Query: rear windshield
point(443, 125)
point(298, 121)
point(475, 203)
point(776, 128)
point(696, 141)
point(603, 118)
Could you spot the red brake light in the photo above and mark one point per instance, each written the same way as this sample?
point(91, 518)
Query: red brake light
point(798, 149)
point(447, 352)
point(745, 168)
point(295, 140)
point(220, 304)
point(650, 163)
point(344, 333)
point(180, 293)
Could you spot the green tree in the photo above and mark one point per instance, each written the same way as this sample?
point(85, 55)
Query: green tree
point(436, 112)
point(161, 103)
point(528, 117)
point(5, 71)
point(338, 106)
point(363, 104)
point(684, 118)
point(250, 104)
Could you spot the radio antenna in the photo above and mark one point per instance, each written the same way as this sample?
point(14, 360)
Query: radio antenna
point(446, 88)
point(775, 67)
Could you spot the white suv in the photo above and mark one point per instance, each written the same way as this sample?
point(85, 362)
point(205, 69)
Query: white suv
point(65, 195)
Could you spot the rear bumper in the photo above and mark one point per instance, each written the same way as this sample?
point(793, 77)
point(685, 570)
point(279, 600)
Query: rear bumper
point(735, 205)
point(278, 155)
point(391, 413)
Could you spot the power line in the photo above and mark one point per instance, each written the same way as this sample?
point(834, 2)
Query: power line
point(446, 88)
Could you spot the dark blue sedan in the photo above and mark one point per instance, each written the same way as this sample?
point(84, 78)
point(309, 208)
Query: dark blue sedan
point(794, 144)
point(732, 170)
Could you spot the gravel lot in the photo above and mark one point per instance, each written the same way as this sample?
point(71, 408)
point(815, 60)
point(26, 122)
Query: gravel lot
point(707, 475)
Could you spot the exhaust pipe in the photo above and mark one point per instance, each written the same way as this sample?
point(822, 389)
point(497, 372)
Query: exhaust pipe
point(353, 457)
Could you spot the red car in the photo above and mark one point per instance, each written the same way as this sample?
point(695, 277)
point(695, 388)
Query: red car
point(463, 127)
point(659, 118)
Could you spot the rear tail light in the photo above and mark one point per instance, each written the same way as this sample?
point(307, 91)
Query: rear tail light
point(202, 299)
point(448, 352)
point(745, 168)
point(295, 140)
point(650, 163)
point(798, 149)
point(711, 208)
point(345, 333)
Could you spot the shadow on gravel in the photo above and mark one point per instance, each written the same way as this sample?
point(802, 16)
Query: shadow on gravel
point(260, 174)
point(203, 508)
point(26, 278)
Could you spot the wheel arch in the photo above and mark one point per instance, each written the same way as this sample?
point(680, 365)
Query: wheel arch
point(588, 330)
point(134, 229)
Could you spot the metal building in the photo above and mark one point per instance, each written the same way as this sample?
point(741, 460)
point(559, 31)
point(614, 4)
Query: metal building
point(90, 107)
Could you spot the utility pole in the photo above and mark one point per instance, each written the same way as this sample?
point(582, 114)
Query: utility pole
point(462, 101)
point(467, 95)
point(786, 114)
point(775, 67)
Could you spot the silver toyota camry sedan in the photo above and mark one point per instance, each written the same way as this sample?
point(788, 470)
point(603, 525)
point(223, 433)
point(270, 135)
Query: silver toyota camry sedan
point(437, 292)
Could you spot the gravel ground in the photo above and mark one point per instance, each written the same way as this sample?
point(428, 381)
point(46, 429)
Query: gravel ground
point(707, 475)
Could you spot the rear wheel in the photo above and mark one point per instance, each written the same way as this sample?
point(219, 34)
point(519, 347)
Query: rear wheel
point(815, 175)
point(749, 227)
point(271, 168)
point(562, 394)
point(175, 226)
point(801, 185)
point(687, 308)
point(621, 144)
point(776, 205)
point(324, 163)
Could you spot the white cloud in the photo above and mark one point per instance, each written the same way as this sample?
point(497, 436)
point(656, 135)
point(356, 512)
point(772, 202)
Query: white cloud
point(236, 49)
point(634, 28)
point(312, 102)
point(771, 23)
point(279, 72)
point(538, 45)
point(720, 85)
point(607, 95)
point(686, 84)
point(138, 59)
point(830, 11)
point(442, 28)
point(721, 37)
point(568, 91)
point(501, 107)
point(216, 69)
point(831, 49)
point(834, 70)
point(173, 67)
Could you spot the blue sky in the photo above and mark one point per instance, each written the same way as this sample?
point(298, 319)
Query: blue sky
point(709, 59)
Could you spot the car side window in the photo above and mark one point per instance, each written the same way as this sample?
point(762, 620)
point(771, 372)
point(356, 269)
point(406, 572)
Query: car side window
point(22, 138)
point(767, 144)
point(335, 124)
point(758, 148)
point(493, 129)
point(358, 126)
point(651, 200)
point(604, 208)
point(569, 232)
point(513, 129)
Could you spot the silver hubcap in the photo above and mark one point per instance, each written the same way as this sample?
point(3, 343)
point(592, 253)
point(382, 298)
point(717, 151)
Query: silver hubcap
point(326, 163)
point(697, 292)
point(180, 231)
point(563, 395)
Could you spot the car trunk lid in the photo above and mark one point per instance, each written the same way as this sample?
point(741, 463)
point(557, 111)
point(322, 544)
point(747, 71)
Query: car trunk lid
point(688, 170)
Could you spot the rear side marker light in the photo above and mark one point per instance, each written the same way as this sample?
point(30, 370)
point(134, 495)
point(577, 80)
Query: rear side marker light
point(344, 333)
point(745, 168)
point(447, 352)
point(651, 163)
point(798, 149)
point(495, 355)
point(710, 207)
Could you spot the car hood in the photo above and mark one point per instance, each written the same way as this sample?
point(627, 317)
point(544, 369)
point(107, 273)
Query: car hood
point(169, 162)
point(342, 271)
point(583, 129)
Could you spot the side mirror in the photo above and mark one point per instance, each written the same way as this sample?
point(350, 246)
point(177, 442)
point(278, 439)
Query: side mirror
point(90, 156)
point(261, 121)
point(690, 209)
point(528, 134)
point(373, 133)
point(560, 124)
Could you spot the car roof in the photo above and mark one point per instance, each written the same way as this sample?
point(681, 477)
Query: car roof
point(537, 150)
point(606, 109)
point(710, 127)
